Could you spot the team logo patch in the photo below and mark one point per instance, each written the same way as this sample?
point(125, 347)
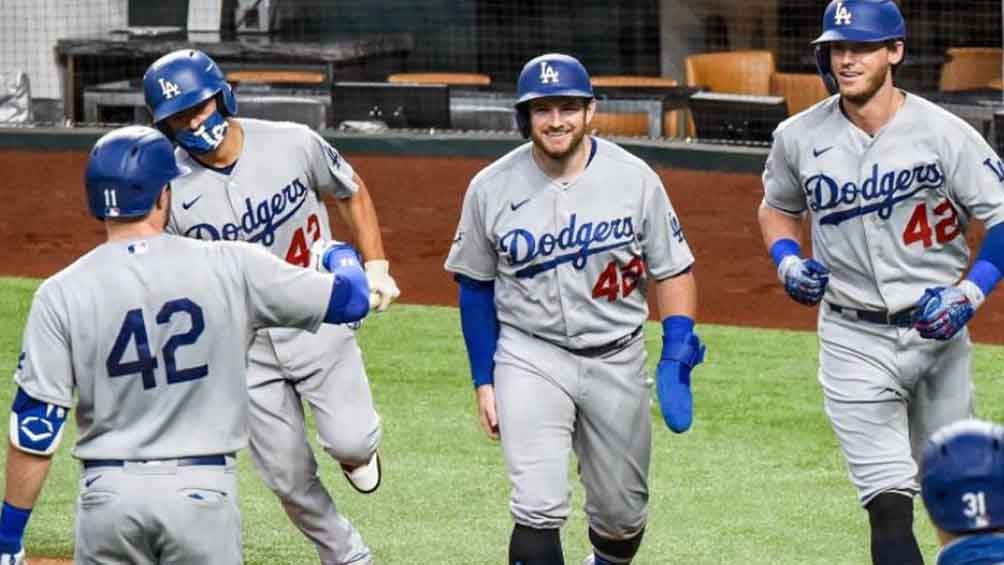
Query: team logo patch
point(842, 16)
point(548, 74)
point(996, 167)
point(260, 220)
point(522, 247)
point(168, 89)
point(878, 194)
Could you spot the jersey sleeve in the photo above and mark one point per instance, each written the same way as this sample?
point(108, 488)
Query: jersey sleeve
point(473, 251)
point(45, 366)
point(280, 294)
point(977, 181)
point(665, 246)
point(782, 189)
point(331, 173)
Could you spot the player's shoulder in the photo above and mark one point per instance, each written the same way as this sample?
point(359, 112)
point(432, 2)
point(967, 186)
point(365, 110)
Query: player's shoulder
point(504, 165)
point(937, 120)
point(610, 153)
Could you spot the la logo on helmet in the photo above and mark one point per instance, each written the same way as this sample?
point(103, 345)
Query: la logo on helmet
point(548, 74)
point(842, 15)
point(168, 88)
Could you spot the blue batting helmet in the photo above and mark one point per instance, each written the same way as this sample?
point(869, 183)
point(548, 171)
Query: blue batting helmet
point(864, 21)
point(127, 170)
point(962, 476)
point(552, 74)
point(181, 79)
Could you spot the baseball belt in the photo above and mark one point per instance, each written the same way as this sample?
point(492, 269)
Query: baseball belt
point(198, 461)
point(901, 319)
point(602, 349)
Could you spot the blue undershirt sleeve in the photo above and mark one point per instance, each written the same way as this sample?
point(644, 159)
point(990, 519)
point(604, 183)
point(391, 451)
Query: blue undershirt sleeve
point(479, 322)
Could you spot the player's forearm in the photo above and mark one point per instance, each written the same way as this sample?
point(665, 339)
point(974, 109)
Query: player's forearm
point(359, 214)
point(677, 296)
point(776, 225)
point(25, 476)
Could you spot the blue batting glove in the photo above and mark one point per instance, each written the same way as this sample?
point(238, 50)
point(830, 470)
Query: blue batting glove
point(804, 280)
point(942, 312)
point(676, 400)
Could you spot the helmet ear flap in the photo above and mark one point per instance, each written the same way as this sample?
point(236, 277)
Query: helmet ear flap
point(228, 100)
point(523, 119)
point(825, 68)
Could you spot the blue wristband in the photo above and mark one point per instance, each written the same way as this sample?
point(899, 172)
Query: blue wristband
point(985, 275)
point(13, 521)
point(675, 329)
point(782, 248)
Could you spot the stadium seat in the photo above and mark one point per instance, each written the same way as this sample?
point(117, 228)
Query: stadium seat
point(800, 90)
point(277, 76)
point(631, 124)
point(453, 79)
point(735, 72)
point(732, 72)
point(969, 68)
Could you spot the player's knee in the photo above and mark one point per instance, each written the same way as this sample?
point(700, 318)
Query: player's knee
point(356, 449)
point(615, 550)
point(891, 514)
point(534, 546)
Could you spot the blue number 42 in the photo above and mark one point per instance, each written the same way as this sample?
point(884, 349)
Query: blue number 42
point(134, 330)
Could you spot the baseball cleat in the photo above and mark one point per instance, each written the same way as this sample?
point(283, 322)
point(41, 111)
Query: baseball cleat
point(366, 477)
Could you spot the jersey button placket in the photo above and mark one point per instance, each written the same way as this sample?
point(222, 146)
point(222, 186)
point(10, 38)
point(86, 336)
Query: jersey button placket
point(562, 273)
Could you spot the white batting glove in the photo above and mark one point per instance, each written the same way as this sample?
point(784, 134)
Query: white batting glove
point(383, 289)
point(16, 559)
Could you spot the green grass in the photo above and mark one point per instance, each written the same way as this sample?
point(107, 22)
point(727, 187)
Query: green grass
point(759, 479)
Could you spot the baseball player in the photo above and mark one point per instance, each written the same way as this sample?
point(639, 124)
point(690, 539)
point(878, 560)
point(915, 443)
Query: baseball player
point(890, 183)
point(962, 483)
point(558, 246)
point(151, 332)
point(263, 182)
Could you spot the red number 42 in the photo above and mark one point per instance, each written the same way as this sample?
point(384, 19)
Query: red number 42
point(299, 250)
point(618, 280)
point(919, 229)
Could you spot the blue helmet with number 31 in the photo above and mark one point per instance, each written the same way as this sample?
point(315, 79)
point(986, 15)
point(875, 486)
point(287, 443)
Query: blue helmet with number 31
point(127, 170)
point(181, 79)
point(859, 21)
point(962, 477)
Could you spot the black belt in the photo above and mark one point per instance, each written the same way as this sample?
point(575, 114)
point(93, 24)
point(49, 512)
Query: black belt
point(198, 461)
point(902, 319)
point(601, 350)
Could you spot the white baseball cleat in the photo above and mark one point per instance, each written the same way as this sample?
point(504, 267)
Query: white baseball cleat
point(366, 477)
point(589, 560)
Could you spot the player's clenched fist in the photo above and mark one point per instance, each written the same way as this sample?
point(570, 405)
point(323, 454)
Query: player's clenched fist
point(383, 289)
point(941, 312)
point(804, 280)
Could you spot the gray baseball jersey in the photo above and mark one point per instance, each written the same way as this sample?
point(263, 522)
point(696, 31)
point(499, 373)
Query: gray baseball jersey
point(571, 263)
point(888, 212)
point(272, 197)
point(153, 337)
point(888, 217)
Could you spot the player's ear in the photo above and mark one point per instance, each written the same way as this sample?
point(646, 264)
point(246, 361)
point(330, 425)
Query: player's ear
point(897, 49)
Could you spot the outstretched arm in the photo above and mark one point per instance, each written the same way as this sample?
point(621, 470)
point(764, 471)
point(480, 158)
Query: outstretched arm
point(360, 216)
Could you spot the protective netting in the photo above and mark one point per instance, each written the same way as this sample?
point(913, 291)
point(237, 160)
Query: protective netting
point(80, 61)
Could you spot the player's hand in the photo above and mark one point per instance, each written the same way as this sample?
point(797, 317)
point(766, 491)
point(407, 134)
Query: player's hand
point(383, 289)
point(804, 280)
point(329, 256)
point(942, 312)
point(676, 400)
point(486, 410)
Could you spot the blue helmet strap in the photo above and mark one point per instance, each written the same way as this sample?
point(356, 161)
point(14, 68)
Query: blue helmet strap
point(205, 138)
